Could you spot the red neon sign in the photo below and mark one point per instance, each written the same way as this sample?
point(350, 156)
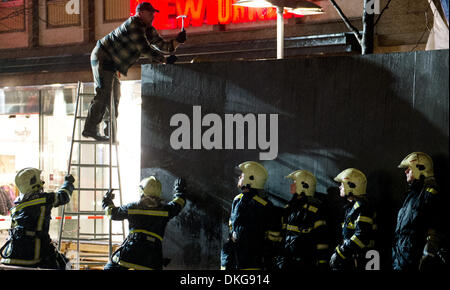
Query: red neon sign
point(205, 12)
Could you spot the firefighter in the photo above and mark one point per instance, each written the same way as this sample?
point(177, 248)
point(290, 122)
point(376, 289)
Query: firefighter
point(254, 229)
point(418, 234)
point(29, 243)
point(305, 245)
point(115, 53)
point(148, 217)
point(358, 226)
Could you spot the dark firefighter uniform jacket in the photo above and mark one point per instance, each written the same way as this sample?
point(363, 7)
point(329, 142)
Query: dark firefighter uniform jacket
point(418, 214)
point(29, 243)
point(305, 237)
point(142, 249)
point(358, 232)
point(255, 225)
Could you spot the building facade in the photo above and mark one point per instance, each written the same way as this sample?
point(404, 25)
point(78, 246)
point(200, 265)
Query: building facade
point(45, 47)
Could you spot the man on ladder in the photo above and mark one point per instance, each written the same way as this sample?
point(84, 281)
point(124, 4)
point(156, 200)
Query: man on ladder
point(116, 53)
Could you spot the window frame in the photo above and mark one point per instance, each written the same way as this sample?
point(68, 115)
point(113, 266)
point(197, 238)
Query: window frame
point(115, 19)
point(53, 26)
point(24, 24)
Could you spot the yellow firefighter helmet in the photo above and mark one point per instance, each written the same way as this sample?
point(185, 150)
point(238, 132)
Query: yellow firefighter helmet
point(255, 175)
point(354, 181)
point(28, 180)
point(305, 182)
point(151, 186)
point(420, 163)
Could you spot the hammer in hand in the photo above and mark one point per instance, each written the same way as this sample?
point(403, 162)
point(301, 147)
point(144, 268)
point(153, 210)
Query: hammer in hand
point(182, 21)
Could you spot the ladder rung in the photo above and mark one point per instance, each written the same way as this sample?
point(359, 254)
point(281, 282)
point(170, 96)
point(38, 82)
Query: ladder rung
point(86, 94)
point(93, 165)
point(92, 234)
point(84, 240)
point(89, 263)
point(94, 256)
point(93, 142)
point(95, 189)
point(101, 213)
point(85, 117)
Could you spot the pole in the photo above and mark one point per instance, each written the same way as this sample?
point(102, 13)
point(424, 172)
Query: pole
point(280, 32)
point(111, 139)
point(368, 30)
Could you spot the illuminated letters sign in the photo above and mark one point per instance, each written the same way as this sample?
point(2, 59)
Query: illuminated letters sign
point(205, 12)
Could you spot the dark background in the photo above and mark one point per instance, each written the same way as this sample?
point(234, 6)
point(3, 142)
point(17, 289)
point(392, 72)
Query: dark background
point(366, 112)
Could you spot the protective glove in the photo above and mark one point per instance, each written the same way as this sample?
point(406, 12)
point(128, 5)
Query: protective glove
point(428, 264)
point(227, 256)
point(280, 262)
point(181, 37)
point(336, 262)
point(179, 186)
point(171, 59)
point(108, 199)
point(322, 267)
point(430, 260)
point(166, 261)
point(69, 178)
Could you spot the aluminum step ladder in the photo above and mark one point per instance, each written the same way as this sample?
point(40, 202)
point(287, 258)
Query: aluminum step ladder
point(96, 170)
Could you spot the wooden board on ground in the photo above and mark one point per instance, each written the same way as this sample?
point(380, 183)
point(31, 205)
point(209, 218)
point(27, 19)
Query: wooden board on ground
point(92, 252)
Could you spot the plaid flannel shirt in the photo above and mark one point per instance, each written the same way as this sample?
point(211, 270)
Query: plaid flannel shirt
point(131, 39)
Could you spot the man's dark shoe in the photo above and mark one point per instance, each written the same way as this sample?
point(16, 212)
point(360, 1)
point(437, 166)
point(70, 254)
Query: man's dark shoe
point(95, 135)
point(106, 131)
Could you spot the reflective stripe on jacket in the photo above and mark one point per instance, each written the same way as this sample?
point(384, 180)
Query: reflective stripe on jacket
point(418, 214)
point(358, 228)
point(30, 221)
point(254, 228)
point(305, 232)
point(142, 249)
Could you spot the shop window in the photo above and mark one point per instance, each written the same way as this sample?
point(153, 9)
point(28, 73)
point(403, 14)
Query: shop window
point(19, 148)
point(12, 16)
point(14, 102)
point(8, 190)
point(37, 126)
point(57, 15)
point(116, 10)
